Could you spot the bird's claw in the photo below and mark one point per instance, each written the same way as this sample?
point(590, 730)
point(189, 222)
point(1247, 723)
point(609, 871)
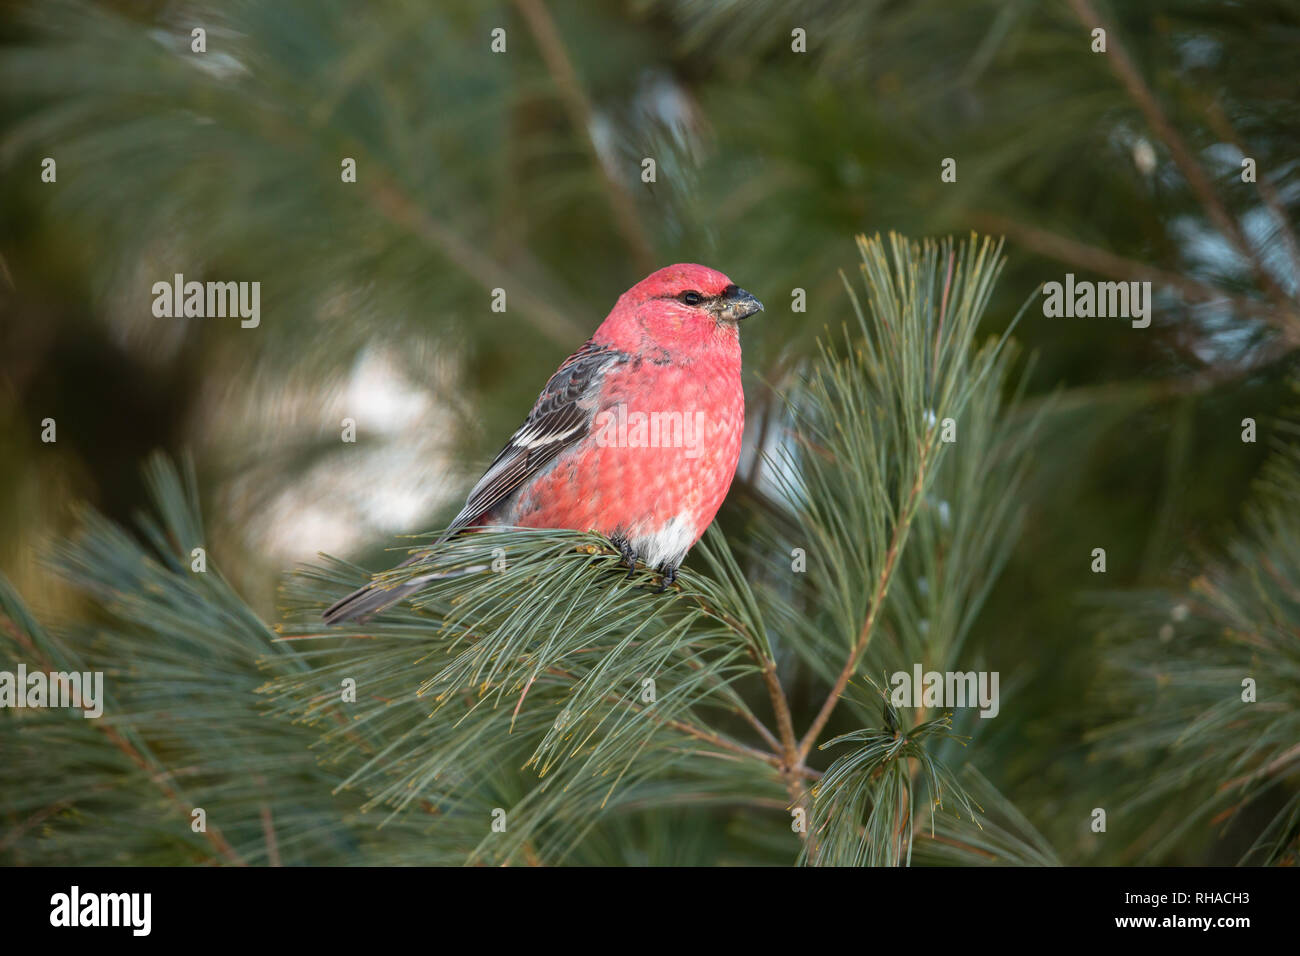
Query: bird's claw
point(670, 575)
point(629, 555)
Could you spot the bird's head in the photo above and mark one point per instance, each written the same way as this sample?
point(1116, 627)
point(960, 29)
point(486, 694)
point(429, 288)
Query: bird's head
point(679, 306)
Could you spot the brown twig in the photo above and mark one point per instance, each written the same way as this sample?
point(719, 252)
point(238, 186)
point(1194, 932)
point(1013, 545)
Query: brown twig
point(787, 757)
point(548, 41)
point(268, 831)
point(1103, 262)
point(489, 273)
point(708, 736)
point(1286, 758)
point(877, 602)
point(1224, 129)
point(403, 210)
point(158, 776)
point(15, 833)
point(1192, 171)
point(743, 710)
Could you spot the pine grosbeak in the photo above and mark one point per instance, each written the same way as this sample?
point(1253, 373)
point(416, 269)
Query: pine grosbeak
point(636, 435)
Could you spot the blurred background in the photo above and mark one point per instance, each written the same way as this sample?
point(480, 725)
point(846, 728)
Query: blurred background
point(778, 131)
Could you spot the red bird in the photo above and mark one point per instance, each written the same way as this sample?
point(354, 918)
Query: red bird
point(636, 435)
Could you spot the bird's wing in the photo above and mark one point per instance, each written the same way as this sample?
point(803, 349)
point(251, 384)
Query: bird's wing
point(561, 417)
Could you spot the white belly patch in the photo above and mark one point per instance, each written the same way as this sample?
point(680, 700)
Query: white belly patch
point(667, 546)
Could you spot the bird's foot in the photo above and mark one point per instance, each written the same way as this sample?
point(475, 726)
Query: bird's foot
point(670, 575)
point(629, 554)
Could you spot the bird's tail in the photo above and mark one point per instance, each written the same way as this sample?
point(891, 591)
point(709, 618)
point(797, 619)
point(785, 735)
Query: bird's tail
point(364, 603)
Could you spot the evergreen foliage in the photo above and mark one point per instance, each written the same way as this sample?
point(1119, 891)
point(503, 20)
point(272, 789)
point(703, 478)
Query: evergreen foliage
point(857, 543)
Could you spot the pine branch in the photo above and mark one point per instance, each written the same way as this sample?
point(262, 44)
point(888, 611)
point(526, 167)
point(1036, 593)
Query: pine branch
point(999, 836)
point(1127, 72)
point(1181, 659)
point(864, 804)
point(551, 691)
point(182, 728)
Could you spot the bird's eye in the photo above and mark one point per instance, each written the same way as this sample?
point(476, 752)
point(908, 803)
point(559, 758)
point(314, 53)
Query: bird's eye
point(692, 298)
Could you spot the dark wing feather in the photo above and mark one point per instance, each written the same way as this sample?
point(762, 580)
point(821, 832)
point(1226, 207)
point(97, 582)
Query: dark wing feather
point(560, 418)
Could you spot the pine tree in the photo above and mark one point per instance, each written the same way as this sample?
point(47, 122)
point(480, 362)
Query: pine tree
point(520, 171)
point(508, 714)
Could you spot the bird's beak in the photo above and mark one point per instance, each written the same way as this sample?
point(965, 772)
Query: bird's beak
point(735, 304)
